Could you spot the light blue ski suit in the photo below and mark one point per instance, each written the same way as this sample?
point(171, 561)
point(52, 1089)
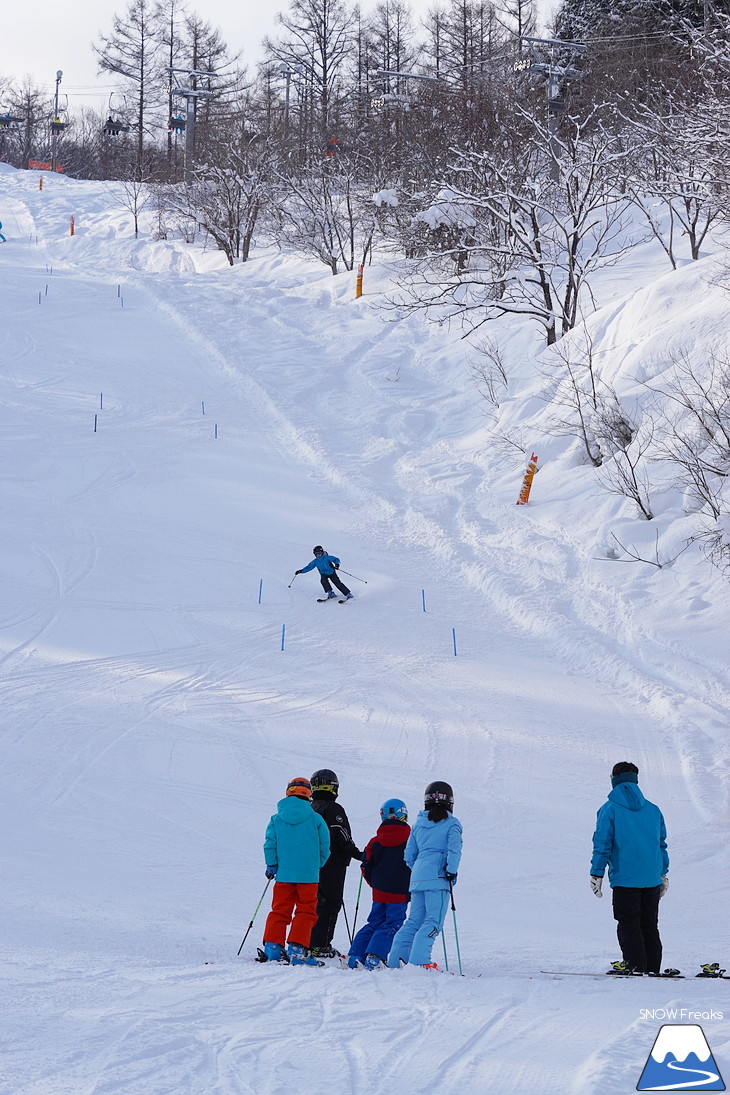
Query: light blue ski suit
point(432, 851)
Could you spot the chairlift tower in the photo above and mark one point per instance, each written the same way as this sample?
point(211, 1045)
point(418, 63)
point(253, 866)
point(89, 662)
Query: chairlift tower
point(182, 79)
point(57, 126)
point(556, 60)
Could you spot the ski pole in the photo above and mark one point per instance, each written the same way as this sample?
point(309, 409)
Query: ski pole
point(349, 933)
point(291, 583)
point(352, 575)
point(446, 957)
point(357, 906)
point(456, 930)
point(248, 929)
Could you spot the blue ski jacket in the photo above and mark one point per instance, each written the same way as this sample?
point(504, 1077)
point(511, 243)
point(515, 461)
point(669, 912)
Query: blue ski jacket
point(631, 838)
point(325, 564)
point(297, 843)
point(433, 848)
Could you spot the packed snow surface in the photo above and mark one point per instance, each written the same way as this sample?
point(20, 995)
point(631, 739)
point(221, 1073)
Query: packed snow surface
point(176, 435)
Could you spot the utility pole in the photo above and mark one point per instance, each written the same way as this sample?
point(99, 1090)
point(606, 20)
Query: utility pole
point(288, 71)
point(556, 60)
point(55, 124)
point(191, 95)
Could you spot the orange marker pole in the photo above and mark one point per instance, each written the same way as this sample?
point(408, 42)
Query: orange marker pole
point(358, 284)
point(527, 481)
point(72, 224)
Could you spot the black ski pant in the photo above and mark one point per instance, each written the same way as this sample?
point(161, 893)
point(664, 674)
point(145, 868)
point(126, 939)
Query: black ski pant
point(636, 911)
point(325, 579)
point(329, 903)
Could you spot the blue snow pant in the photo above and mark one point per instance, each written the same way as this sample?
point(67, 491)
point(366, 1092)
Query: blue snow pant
point(413, 942)
point(376, 935)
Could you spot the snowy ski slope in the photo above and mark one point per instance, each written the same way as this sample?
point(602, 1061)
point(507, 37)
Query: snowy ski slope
point(152, 719)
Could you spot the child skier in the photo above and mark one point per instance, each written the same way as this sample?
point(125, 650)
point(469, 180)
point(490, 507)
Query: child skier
point(325, 788)
point(385, 870)
point(433, 853)
point(297, 845)
point(327, 566)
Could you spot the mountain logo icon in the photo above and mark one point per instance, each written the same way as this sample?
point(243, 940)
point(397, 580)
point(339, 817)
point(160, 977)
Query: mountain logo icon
point(680, 1060)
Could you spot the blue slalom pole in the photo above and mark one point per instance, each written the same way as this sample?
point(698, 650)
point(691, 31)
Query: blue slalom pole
point(283, 633)
point(261, 586)
point(423, 599)
point(453, 633)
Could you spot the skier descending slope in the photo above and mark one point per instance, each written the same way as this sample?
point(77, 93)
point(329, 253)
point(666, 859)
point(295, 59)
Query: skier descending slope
point(327, 565)
point(297, 845)
point(433, 853)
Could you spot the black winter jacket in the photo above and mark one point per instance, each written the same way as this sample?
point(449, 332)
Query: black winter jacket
point(342, 846)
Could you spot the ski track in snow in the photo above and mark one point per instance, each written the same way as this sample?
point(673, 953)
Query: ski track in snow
point(154, 717)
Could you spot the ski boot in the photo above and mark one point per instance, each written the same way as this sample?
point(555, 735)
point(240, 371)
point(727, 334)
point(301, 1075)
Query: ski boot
point(273, 952)
point(711, 969)
point(623, 969)
point(300, 956)
point(374, 962)
point(327, 951)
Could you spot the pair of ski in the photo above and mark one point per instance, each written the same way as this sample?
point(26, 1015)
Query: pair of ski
point(667, 975)
point(323, 600)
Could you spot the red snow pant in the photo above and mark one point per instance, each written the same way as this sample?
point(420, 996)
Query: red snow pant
point(299, 898)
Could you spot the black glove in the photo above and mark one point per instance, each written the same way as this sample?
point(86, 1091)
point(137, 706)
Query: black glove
point(297, 572)
point(336, 566)
point(357, 854)
point(450, 877)
point(271, 872)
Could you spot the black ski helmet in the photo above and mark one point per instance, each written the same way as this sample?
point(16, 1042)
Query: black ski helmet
point(324, 779)
point(438, 793)
point(318, 550)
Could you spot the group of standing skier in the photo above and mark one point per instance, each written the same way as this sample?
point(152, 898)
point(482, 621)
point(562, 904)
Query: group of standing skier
point(309, 846)
point(307, 849)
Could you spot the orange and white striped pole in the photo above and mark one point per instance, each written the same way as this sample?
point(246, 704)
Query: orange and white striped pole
point(527, 481)
point(73, 224)
point(358, 284)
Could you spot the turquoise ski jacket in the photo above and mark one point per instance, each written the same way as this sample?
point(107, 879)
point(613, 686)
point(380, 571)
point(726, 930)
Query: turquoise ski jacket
point(325, 564)
point(433, 848)
point(631, 838)
point(297, 843)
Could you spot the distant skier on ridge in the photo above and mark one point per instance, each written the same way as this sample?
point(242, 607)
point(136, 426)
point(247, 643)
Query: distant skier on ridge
point(631, 838)
point(327, 565)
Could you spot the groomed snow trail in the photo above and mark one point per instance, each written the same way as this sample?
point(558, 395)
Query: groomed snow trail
point(154, 719)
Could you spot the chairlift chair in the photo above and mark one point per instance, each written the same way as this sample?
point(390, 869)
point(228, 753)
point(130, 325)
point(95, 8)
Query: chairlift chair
point(113, 127)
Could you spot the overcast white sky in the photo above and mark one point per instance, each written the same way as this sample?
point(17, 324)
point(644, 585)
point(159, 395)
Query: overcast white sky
point(41, 37)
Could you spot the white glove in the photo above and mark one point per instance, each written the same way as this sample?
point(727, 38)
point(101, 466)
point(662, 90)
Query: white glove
point(596, 883)
point(664, 886)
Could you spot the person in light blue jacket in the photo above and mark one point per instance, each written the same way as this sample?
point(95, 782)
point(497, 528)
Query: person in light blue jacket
point(631, 839)
point(433, 853)
point(327, 565)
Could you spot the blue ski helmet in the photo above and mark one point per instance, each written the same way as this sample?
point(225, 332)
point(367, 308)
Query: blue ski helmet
point(394, 808)
point(318, 550)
